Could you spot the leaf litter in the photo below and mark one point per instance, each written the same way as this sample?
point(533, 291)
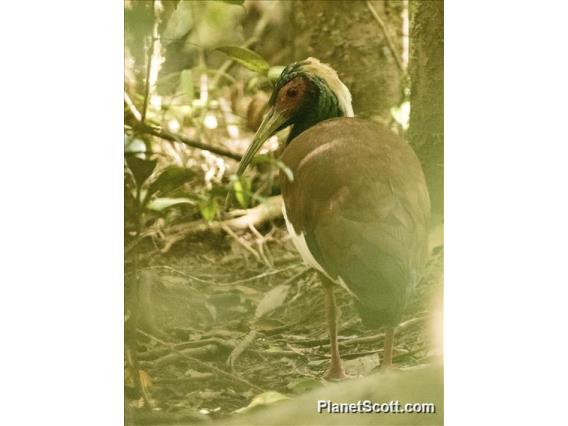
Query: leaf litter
point(214, 300)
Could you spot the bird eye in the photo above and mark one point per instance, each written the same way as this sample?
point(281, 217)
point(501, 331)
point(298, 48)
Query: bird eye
point(291, 93)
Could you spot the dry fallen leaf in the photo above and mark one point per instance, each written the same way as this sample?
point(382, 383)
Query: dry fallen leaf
point(272, 300)
point(264, 399)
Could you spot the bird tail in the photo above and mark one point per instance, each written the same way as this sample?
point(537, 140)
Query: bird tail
point(376, 318)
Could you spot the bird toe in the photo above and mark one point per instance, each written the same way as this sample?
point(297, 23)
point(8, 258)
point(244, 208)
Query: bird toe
point(335, 374)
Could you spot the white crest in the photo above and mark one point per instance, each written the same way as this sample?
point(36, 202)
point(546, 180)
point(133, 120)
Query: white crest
point(329, 75)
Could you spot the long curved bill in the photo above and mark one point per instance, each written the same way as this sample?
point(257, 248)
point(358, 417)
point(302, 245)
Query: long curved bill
point(271, 122)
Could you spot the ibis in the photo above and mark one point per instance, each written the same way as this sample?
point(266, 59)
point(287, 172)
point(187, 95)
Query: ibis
point(355, 203)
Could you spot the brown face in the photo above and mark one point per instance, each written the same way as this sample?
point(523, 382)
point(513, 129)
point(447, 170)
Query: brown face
point(291, 95)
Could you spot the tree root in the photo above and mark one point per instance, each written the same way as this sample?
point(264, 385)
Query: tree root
point(256, 216)
point(207, 350)
point(204, 365)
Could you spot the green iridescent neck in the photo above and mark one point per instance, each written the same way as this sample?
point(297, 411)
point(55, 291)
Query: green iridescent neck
point(322, 106)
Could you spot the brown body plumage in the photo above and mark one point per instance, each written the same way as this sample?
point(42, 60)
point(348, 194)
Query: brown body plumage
point(361, 202)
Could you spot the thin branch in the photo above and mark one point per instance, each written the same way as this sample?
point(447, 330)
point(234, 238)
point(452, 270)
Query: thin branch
point(173, 137)
point(156, 353)
point(263, 275)
point(184, 380)
point(184, 274)
point(358, 340)
point(149, 65)
point(240, 348)
point(269, 210)
point(170, 358)
point(385, 31)
point(241, 242)
point(132, 107)
point(202, 364)
point(405, 33)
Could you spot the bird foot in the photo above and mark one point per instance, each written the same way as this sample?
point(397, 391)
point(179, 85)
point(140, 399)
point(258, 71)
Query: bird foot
point(335, 374)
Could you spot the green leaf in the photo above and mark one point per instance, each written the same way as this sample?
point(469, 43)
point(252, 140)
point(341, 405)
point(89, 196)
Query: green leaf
point(208, 209)
point(243, 188)
point(237, 2)
point(249, 59)
point(274, 73)
point(160, 204)
point(186, 82)
point(263, 158)
point(141, 169)
point(171, 178)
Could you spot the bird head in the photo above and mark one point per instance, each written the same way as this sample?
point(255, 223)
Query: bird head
point(306, 93)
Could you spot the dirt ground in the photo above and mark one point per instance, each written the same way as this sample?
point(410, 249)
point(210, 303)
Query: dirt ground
point(222, 319)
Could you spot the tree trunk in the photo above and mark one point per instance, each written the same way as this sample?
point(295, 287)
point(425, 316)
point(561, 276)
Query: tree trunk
point(426, 131)
point(345, 35)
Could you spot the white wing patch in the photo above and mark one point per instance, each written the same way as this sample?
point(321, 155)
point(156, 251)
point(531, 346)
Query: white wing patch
point(301, 245)
point(329, 75)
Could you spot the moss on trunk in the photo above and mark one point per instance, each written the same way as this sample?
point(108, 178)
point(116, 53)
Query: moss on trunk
point(426, 131)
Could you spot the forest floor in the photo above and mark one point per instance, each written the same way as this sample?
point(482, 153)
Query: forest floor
point(224, 320)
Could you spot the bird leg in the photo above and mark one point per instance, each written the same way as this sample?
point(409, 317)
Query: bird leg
point(388, 345)
point(335, 370)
